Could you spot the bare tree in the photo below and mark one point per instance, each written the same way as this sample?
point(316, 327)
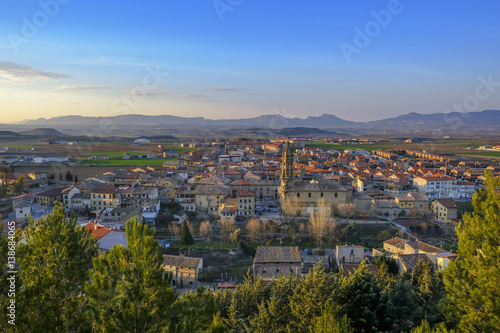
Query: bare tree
point(4, 178)
point(346, 210)
point(321, 224)
point(206, 230)
point(226, 227)
point(174, 229)
point(254, 228)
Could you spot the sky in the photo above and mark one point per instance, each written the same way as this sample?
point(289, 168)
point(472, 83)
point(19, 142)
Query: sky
point(359, 60)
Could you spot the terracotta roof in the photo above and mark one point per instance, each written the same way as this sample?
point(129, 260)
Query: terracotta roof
point(97, 230)
point(181, 261)
point(267, 254)
point(245, 193)
point(104, 190)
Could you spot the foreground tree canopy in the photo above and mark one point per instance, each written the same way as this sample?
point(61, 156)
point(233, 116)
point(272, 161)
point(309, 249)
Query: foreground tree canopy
point(65, 287)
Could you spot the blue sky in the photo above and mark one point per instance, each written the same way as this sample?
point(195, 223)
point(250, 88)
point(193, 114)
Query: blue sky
point(242, 58)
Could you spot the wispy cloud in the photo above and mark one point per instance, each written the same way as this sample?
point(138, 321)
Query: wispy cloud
point(81, 88)
point(225, 89)
point(13, 72)
point(192, 96)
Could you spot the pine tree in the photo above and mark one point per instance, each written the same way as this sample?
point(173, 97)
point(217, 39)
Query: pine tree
point(76, 178)
point(472, 282)
point(309, 298)
point(129, 291)
point(331, 321)
point(69, 176)
point(54, 266)
point(360, 297)
point(186, 237)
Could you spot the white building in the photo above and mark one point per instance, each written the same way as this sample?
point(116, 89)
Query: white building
point(435, 187)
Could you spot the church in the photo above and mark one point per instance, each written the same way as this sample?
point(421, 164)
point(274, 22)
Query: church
point(298, 198)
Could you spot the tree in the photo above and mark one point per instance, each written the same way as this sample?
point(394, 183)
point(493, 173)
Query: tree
point(186, 237)
point(320, 223)
point(360, 297)
point(392, 265)
point(69, 176)
point(235, 235)
point(206, 230)
point(351, 233)
point(331, 321)
point(254, 228)
point(20, 185)
point(226, 227)
point(76, 178)
point(60, 176)
point(346, 209)
point(54, 263)
point(128, 289)
point(384, 235)
point(174, 229)
point(472, 281)
point(309, 299)
point(5, 174)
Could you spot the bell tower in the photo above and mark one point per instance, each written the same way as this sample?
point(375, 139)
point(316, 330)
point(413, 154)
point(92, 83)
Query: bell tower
point(287, 166)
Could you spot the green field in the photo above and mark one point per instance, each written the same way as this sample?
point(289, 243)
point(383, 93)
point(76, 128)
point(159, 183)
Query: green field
point(135, 162)
point(483, 153)
point(322, 144)
point(170, 146)
point(114, 154)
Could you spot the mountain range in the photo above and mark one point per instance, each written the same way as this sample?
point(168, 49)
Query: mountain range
point(482, 123)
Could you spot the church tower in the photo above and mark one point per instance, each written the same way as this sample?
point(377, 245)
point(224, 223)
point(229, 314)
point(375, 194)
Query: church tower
point(286, 166)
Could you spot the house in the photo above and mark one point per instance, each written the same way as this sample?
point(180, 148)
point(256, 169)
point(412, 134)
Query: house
point(246, 202)
point(444, 210)
point(407, 262)
point(270, 261)
point(103, 197)
point(186, 198)
point(208, 197)
point(143, 195)
point(22, 206)
point(184, 270)
point(48, 197)
point(353, 254)
point(435, 187)
point(397, 246)
point(113, 237)
point(443, 259)
point(228, 210)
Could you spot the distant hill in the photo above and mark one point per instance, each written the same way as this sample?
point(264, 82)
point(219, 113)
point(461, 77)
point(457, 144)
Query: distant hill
point(487, 120)
point(43, 132)
point(478, 123)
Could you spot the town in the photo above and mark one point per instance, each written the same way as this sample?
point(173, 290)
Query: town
point(269, 205)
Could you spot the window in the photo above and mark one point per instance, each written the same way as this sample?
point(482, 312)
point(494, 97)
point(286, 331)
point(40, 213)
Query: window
point(277, 269)
point(309, 194)
point(298, 195)
point(291, 270)
point(263, 270)
point(336, 194)
point(321, 194)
